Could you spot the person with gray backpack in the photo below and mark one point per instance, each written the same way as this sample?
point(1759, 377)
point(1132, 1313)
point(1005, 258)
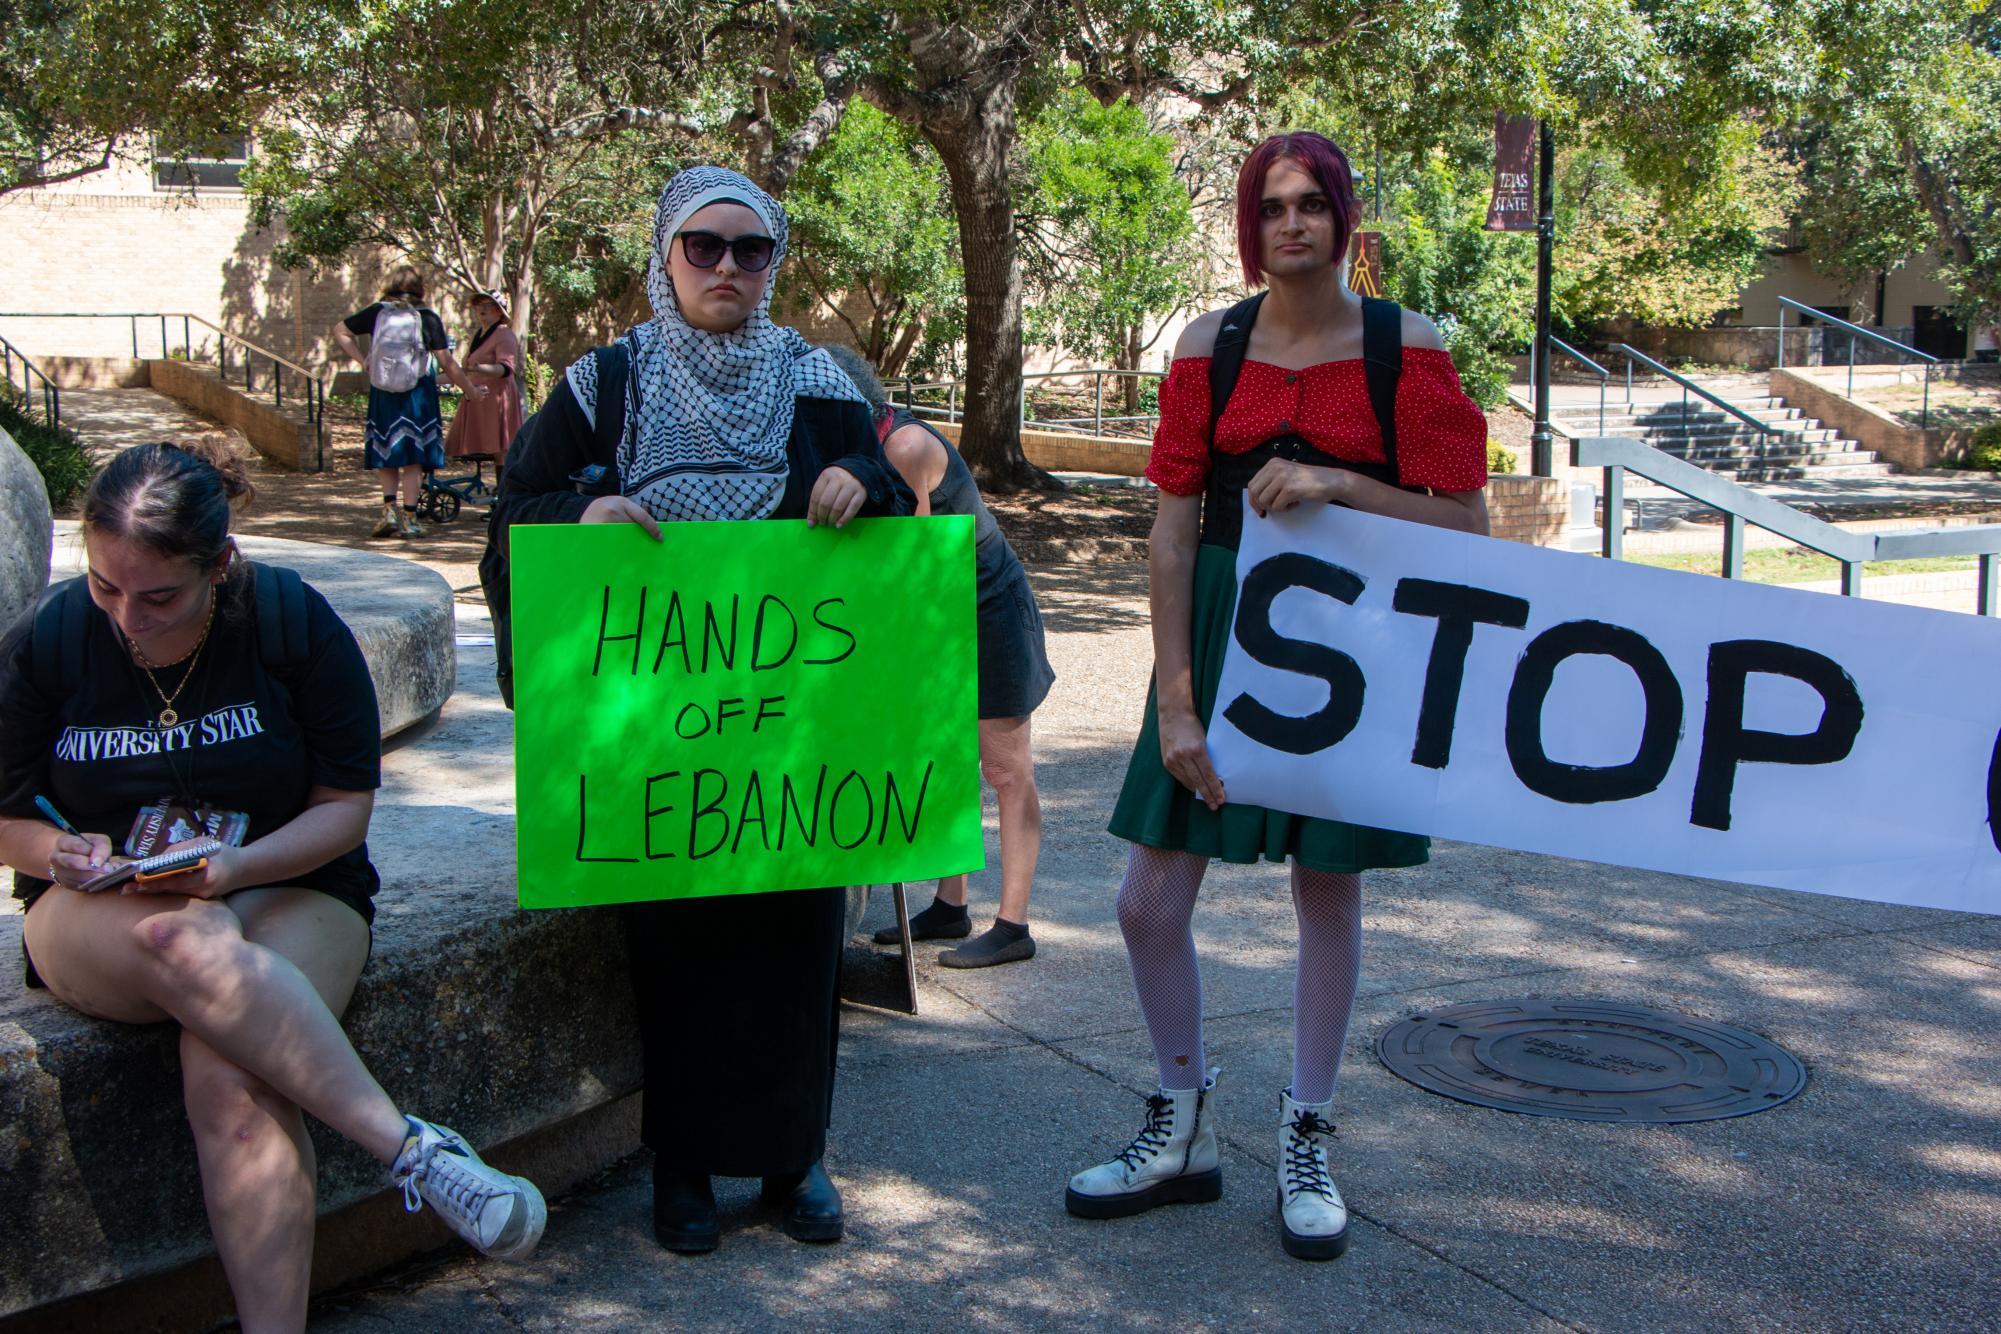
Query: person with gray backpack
point(405, 428)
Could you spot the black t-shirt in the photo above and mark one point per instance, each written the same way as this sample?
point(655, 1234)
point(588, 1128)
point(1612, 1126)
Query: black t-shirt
point(247, 740)
point(362, 325)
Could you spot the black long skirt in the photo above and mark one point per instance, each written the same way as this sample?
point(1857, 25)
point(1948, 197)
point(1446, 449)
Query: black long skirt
point(739, 1018)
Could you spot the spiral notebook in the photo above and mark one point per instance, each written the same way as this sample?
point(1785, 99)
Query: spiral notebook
point(165, 863)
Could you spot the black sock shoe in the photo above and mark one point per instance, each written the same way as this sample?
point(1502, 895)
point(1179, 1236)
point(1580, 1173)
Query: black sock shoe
point(940, 921)
point(1003, 942)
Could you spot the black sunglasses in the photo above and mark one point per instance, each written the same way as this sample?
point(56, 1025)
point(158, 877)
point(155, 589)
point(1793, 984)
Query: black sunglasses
point(705, 250)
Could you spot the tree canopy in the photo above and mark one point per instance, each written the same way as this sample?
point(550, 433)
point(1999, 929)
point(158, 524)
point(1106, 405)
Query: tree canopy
point(949, 164)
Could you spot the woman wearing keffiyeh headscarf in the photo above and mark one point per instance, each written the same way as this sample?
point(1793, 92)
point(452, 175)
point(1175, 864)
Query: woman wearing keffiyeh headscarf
point(721, 415)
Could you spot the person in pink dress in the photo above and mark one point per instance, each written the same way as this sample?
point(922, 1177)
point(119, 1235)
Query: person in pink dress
point(487, 425)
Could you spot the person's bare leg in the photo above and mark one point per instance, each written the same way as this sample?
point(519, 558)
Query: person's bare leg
point(1008, 769)
point(141, 958)
point(258, 1168)
point(411, 482)
point(1007, 764)
point(952, 890)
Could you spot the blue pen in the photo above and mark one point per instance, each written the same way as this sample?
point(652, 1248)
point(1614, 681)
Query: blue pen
point(56, 816)
point(49, 810)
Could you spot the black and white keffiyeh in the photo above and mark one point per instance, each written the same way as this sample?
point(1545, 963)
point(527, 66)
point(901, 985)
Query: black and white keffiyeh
point(708, 415)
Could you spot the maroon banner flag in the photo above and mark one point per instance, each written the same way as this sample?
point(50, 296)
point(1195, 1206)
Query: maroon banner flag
point(1512, 206)
point(1365, 262)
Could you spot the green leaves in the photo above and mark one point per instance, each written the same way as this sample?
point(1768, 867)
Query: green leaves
point(1109, 232)
point(874, 243)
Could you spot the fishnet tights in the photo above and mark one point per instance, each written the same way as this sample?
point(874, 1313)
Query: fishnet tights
point(1156, 907)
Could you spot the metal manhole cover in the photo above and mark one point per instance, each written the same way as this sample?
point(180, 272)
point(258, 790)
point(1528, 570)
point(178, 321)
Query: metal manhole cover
point(1591, 1061)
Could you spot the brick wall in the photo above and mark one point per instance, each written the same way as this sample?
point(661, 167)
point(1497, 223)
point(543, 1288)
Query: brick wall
point(1534, 510)
point(113, 244)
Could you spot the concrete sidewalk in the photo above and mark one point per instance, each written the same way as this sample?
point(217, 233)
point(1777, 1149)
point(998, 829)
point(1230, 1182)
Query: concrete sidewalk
point(1871, 1200)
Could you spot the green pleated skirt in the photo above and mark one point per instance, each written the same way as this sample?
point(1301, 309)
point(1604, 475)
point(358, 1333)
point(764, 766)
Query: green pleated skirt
point(1155, 810)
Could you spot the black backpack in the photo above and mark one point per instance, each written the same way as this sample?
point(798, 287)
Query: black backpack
point(613, 362)
point(61, 631)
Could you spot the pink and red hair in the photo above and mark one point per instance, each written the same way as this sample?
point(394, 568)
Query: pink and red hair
point(1324, 162)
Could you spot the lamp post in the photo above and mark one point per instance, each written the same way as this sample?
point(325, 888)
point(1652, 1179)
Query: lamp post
point(1542, 460)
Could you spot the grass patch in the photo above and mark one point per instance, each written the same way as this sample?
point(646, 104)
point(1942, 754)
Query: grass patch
point(56, 453)
point(1791, 565)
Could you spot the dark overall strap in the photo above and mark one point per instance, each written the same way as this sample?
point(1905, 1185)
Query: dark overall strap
point(62, 628)
point(282, 639)
point(1226, 359)
point(1382, 365)
point(613, 364)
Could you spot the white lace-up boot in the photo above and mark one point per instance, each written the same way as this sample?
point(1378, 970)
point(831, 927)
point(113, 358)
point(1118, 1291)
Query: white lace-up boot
point(500, 1215)
point(1172, 1160)
point(1312, 1220)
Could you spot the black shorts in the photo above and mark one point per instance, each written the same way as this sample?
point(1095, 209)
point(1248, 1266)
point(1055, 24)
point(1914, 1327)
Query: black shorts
point(361, 903)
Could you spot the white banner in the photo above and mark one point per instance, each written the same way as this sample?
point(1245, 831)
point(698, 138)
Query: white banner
point(1411, 678)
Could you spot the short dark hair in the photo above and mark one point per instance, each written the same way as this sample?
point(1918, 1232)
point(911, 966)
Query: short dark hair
point(403, 281)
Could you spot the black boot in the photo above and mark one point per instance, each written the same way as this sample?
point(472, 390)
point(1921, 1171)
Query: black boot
point(812, 1204)
point(684, 1212)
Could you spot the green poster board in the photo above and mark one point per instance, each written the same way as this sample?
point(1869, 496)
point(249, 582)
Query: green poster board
point(743, 707)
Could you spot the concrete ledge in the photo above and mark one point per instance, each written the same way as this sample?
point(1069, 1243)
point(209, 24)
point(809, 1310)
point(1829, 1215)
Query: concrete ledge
point(400, 612)
point(1813, 392)
point(275, 433)
point(1060, 451)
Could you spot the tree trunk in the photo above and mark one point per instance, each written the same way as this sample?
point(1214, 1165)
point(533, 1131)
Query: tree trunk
point(975, 155)
point(1129, 357)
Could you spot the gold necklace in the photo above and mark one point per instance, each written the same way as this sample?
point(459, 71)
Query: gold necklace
point(167, 715)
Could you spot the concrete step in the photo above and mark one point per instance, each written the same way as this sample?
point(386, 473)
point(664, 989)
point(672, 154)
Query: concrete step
point(1808, 434)
point(1797, 474)
point(1582, 420)
point(1817, 463)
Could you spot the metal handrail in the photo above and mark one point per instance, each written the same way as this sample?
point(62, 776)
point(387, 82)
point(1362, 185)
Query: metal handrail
point(1786, 302)
point(52, 399)
point(1765, 430)
point(1604, 376)
point(1741, 505)
point(317, 382)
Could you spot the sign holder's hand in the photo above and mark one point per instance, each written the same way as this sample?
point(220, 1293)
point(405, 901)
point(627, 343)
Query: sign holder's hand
point(1282, 484)
point(837, 497)
point(1184, 750)
point(621, 509)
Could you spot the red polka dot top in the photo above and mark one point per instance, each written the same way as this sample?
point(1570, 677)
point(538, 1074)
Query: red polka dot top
point(1441, 434)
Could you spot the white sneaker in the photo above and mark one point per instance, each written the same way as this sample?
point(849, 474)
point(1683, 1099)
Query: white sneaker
point(500, 1215)
point(1172, 1160)
point(1312, 1218)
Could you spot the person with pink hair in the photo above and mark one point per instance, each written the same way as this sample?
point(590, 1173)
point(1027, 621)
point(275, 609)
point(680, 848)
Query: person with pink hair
point(1304, 394)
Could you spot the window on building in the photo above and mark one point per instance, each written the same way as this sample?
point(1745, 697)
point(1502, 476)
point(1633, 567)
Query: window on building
point(1934, 330)
point(214, 165)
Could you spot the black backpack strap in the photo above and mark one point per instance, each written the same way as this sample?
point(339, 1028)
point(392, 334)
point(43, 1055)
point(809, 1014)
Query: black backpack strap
point(1382, 366)
point(614, 362)
point(1226, 360)
point(62, 628)
point(282, 639)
